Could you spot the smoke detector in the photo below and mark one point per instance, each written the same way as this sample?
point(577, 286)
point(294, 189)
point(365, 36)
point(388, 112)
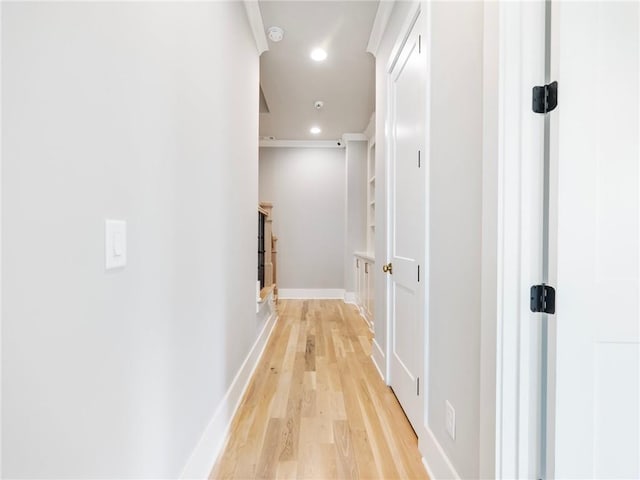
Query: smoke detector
point(275, 34)
point(318, 104)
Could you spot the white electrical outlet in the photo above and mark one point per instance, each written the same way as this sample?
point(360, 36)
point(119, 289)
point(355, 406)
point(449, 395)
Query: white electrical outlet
point(450, 420)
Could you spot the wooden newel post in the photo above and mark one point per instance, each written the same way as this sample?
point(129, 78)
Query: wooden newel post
point(274, 255)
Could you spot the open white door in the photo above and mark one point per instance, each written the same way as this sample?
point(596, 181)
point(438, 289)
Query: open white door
point(407, 223)
point(594, 414)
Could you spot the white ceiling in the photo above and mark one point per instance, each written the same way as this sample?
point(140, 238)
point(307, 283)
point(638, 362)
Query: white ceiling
point(292, 82)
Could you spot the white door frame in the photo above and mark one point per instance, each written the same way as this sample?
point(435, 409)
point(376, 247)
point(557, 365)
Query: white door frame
point(1, 248)
point(519, 228)
point(389, 146)
point(412, 18)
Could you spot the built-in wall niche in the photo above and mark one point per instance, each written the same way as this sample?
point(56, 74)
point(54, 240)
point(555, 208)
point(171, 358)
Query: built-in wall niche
point(371, 196)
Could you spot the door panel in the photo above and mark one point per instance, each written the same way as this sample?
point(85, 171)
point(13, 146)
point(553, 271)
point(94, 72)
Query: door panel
point(596, 262)
point(407, 224)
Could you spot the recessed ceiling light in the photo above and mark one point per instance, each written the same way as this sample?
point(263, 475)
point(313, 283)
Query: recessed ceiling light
point(315, 130)
point(318, 54)
point(275, 34)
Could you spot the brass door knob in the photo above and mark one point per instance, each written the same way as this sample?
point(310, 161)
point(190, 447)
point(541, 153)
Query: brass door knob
point(388, 268)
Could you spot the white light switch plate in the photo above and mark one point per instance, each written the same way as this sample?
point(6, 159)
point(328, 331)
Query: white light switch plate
point(115, 243)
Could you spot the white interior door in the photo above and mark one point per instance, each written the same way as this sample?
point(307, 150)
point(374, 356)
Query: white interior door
point(406, 224)
point(595, 258)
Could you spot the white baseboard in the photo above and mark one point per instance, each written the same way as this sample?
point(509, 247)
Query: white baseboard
point(363, 316)
point(310, 293)
point(377, 355)
point(434, 458)
point(214, 437)
point(350, 297)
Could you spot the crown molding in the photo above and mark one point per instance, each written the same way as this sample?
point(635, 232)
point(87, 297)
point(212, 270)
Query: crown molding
point(357, 137)
point(257, 27)
point(385, 7)
point(370, 131)
point(301, 143)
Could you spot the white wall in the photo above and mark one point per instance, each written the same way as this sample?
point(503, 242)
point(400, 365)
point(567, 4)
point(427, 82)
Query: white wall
point(489, 293)
point(455, 228)
point(130, 111)
point(356, 207)
point(307, 189)
point(456, 255)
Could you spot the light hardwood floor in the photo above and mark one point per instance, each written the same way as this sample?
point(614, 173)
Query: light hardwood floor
point(316, 406)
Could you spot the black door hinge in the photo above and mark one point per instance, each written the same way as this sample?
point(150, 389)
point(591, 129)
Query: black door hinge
point(543, 299)
point(545, 98)
point(418, 386)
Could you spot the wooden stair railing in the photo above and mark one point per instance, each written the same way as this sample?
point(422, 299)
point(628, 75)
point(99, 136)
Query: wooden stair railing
point(269, 249)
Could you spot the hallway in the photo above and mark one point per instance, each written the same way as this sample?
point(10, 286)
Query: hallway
point(316, 407)
point(451, 231)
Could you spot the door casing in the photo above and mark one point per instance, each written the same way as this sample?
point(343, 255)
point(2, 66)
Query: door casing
point(520, 134)
point(413, 23)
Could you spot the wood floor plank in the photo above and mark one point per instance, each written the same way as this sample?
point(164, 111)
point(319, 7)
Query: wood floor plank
point(268, 463)
point(317, 461)
point(294, 408)
point(308, 407)
point(382, 452)
point(316, 407)
point(346, 462)
point(322, 374)
point(287, 470)
point(310, 354)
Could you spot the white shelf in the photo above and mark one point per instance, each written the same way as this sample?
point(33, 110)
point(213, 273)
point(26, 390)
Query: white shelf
point(366, 256)
point(371, 195)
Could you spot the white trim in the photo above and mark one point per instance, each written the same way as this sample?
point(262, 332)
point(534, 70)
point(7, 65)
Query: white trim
point(1, 248)
point(310, 293)
point(363, 315)
point(350, 297)
point(519, 257)
point(405, 31)
point(383, 14)
point(365, 256)
point(301, 143)
point(427, 468)
point(214, 437)
point(425, 431)
point(378, 358)
point(370, 131)
point(378, 369)
point(436, 462)
point(354, 137)
point(257, 27)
